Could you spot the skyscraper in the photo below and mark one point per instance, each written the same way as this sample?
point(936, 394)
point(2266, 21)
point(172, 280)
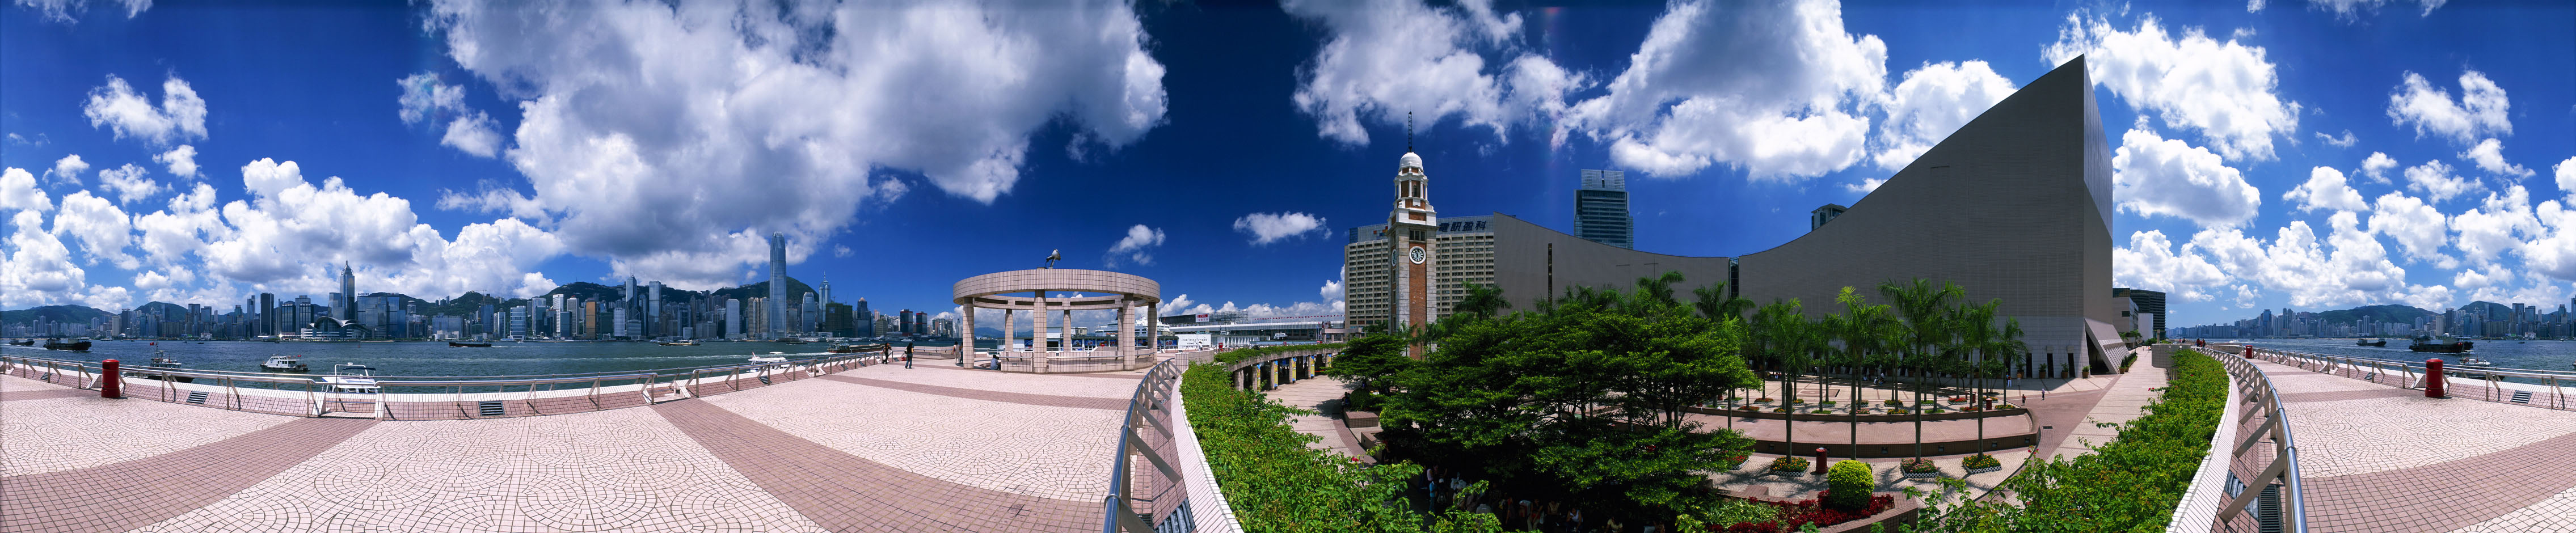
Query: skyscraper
point(733, 318)
point(1601, 209)
point(268, 313)
point(867, 321)
point(777, 282)
point(347, 306)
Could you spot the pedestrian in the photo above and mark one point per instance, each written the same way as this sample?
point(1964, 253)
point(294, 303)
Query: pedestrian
point(907, 355)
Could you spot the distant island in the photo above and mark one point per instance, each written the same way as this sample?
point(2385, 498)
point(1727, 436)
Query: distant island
point(2479, 319)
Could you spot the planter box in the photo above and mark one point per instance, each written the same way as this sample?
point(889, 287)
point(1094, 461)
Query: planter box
point(1925, 475)
point(1975, 471)
point(1359, 419)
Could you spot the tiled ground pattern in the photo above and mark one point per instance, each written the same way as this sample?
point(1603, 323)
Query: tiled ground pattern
point(976, 438)
point(41, 394)
point(2367, 466)
point(1317, 394)
point(842, 492)
point(625, 470)
point(1085, 385)
point(66, 433)
point(989, 395)
point(121, 496)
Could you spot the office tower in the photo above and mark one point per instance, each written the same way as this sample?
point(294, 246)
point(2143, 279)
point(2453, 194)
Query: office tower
point(617, 323)
point(519, 321)
point(733, 318)
point(1601, 209)
point(777, 282)
point(921, 324)
point(903, 322)
point(812, 313)
point(346, 307)
point(867, 321)
point(268, 313)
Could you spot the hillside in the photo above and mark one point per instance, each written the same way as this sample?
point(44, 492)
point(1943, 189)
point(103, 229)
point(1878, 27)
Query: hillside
point(2401, 314)
point(57, 313)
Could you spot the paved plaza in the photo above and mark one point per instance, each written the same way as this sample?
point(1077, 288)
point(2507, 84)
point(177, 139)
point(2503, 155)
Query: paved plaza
point(2376, 458)
point(881, 448)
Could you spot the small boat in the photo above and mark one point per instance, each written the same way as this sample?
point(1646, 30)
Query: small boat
point(857, 348)
point(81, 346)
point(681, 343)
point(28, 342)
point(790, 340)
point(2475, 361)
point(284, 363)
point(2368, 342)
point(759, 359)
point(2426, 344)
point(352, 378)
point(454, 344)
point(161, 359)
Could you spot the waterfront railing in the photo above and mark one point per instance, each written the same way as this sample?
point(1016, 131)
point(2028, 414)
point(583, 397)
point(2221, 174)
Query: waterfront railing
point(434, 397)
point(1149, 430)
point(2267, 474)
point(2490, 382)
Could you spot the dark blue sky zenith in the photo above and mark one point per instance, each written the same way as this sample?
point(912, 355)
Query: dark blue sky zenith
point(2304, 154)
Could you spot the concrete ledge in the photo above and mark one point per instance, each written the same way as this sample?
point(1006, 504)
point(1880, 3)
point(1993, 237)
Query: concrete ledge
point(1359, 419)
point(1766, 414)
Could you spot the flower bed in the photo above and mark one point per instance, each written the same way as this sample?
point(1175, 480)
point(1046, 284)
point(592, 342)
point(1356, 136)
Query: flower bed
point(1981, 463)
point(1789, 464)
point(1763, 400)
point(1919, 466)
point(1793, 515)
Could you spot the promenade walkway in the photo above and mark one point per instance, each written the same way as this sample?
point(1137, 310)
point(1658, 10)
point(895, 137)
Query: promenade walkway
point(882, 448)
point(2376, 458)
point(1322, 395)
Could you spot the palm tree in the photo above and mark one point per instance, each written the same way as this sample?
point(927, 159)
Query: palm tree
point(1863, 330)
point(1976, 326)
point(1782, 332)
point(1921, 304)
point(1715, 304)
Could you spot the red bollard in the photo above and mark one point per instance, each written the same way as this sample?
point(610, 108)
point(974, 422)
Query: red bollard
point(2433, 378)
point(110, 384)
point(1820, 461)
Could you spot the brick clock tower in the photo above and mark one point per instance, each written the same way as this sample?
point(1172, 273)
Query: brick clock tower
point(1409, 232)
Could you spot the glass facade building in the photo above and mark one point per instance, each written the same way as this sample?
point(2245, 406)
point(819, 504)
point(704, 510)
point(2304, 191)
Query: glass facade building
point(1601, 209)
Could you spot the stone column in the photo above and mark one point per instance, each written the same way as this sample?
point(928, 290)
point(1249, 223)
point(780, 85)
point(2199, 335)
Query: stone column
point(966, 337)
point(1126, 334)
point(1067, 328)
point(1038, 334)
point(1154, 326)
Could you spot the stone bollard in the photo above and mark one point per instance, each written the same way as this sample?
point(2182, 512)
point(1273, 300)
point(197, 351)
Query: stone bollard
point(2433, 378)
point(111, 385)
point(1820, 461)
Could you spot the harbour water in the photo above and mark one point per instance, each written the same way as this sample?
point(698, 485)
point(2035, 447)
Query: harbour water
point(437, 358)
point(2544, 355)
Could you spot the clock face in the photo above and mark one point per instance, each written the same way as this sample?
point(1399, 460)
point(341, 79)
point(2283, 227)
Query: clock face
point(1416, 255)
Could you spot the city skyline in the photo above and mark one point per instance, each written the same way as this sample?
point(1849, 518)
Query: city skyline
point(2263, 164)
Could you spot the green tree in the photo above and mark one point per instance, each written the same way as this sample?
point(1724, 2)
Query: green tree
point(1371, 361)
point(1921, 304)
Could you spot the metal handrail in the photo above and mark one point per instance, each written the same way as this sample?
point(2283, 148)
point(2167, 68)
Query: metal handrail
point(2414, 372)
point(2263, 396)
point(1151, 399)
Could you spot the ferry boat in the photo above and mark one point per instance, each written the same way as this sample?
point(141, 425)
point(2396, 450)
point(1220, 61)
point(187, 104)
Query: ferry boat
point(352, 378)
point(681, 343)
point(284, 363)
point(81, 346)
point(28, 342)
point(2475, 361)
point(2426, 344)
point(161, 359)
point(857, 348)
point(454, 344)
point(2369, 342)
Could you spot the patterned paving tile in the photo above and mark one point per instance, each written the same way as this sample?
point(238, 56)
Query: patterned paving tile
point(2369, 466)
point(2348, 437)
point(981, 394)
point(130, 493)
point(620, 470)
point(1046, 451)
point(845, 492)
point(1086, 385)
point(65, 433)
point(2554, 515)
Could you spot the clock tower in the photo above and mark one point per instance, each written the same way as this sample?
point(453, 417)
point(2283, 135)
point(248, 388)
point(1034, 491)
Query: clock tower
point(1410, 232)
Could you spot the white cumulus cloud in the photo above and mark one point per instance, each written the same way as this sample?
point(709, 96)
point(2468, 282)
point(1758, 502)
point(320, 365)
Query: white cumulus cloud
point(2417, 226)
point(129, 182)
point(2377, 167)
point(1266, 228)
point(2229, 92)
point(2438, 182)
point(182, 161)
point(776, 97)
point(2326, 189)
point(2150, 261)
point(65, 11)
point(102, 228)
point(180, 116)
point(1136, 247)
point(1775, 88)
point(1383, 59)
point(2489, 156)
point(2566, 174)
point(2157, 176)
point(474, 135)
point(1932, 102)
point(2345, 141)
point(2350, 10)
point(67, 170)
point(18, 192)
point(2481, 110)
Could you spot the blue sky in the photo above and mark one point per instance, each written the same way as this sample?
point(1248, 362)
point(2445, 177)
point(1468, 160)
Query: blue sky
point(2301, 154)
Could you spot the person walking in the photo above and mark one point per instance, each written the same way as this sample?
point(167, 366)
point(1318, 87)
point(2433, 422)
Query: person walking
point(907, 355)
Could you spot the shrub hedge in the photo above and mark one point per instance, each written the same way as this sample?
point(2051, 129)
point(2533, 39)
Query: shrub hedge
point(2129, 484)
point(1847, 485)
point(1275, 483)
